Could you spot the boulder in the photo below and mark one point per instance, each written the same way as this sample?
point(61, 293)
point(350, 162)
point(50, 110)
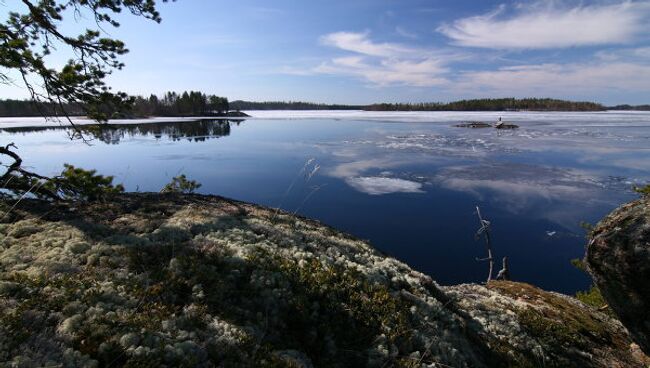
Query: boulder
point(618, 257)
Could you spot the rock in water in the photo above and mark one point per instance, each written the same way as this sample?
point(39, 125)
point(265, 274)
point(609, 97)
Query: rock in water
point(507, 126)
point(618, 257)
point(473, 124)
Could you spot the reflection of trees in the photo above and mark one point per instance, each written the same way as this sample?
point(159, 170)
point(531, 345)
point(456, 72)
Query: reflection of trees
point(193, 131)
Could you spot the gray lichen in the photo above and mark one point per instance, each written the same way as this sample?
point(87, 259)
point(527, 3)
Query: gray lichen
point(188, 280)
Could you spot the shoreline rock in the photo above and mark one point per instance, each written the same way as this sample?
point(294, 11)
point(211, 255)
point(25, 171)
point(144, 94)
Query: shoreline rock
point(192, 280)
point(618, 257)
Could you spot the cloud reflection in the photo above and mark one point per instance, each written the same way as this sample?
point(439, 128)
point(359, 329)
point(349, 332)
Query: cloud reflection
point(378, 185)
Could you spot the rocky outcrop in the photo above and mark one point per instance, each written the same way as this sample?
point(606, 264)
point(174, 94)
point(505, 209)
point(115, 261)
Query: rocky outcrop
point(618, 257)
point(479, 124)
point(188, 280)
point(473, 124)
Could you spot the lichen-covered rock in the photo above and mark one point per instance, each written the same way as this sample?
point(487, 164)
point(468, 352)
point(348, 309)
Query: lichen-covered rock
point(618, 257)
point(200, 281)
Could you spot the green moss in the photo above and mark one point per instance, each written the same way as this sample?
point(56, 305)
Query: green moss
point(560, 325)
point(548, 332)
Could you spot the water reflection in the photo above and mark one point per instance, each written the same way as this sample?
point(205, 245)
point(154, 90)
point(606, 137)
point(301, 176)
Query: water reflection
point(193, 131)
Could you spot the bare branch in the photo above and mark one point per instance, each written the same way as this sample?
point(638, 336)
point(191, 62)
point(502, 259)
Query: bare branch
point(485, 230)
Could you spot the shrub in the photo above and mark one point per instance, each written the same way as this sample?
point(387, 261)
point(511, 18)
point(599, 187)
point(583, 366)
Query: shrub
point(77, 183)
point(591, 297)
point(644, 191)
point(180, 184)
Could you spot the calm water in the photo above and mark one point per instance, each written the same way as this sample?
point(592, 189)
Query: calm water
point(407, 182)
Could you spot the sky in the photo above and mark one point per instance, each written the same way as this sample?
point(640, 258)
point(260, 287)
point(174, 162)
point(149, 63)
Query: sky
point(367, 51)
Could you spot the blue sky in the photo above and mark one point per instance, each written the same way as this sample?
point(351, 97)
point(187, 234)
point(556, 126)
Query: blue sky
point(362, 51)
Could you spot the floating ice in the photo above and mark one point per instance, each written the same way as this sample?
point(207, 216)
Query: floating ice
point(378, 185)
point(569, 119)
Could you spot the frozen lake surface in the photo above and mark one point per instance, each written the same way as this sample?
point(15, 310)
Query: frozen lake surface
point(407, 181)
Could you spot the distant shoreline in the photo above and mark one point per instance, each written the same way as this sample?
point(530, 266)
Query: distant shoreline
point(443, 117)
point(174, 105)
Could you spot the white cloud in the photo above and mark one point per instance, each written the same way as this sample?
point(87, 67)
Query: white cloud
point(360, 43)
point(545, 25)
point(378, 185)
point(554, 79)
point(385, 63)
point(420, 73)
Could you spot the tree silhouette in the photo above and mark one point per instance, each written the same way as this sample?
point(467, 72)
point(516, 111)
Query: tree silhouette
point(26, 40)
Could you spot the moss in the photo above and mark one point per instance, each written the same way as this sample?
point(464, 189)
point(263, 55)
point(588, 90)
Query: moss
point(548, 332)
point(559, 309)
point(24, 228)
point(505, 355)
point(559, 324)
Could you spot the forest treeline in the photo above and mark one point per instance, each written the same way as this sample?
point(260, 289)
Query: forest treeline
point(290, 105)
point(194, 103)
point(630, 107)
point(26, 108)
point(493, 104)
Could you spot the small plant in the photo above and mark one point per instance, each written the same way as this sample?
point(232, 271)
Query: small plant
point(588, 228)
point(180, 184)
point(308, 170)
point(591, 297)
point(644, 191)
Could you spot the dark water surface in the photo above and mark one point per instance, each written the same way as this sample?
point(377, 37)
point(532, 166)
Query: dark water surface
point(408, 186)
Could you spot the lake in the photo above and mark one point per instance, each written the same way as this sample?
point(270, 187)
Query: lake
point(407, 182)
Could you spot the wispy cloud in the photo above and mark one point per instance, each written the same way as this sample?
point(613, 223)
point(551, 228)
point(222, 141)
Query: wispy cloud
point(265, 11)
point(424, 73)
point(554, 79)
point(361, 44)
point(545, 192)
point(544, 25)
point(404, 33)
point(385, 64)
point(639, 54)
